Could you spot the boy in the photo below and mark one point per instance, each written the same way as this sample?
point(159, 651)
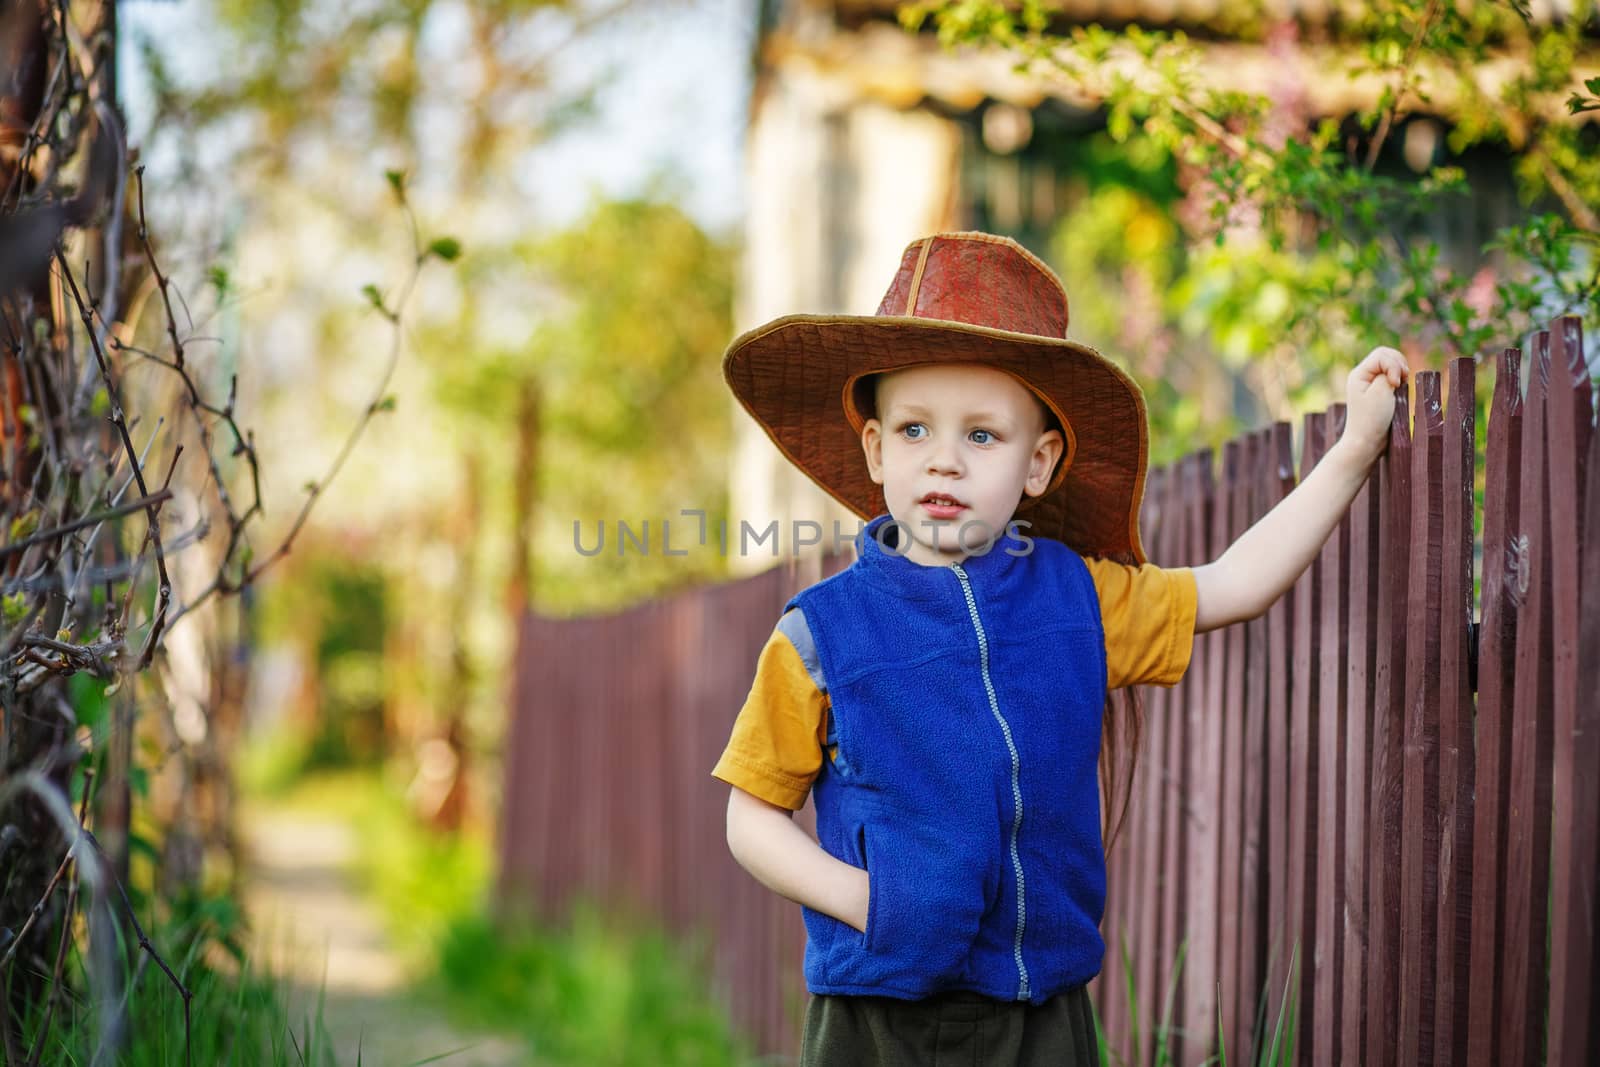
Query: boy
point(942, 697)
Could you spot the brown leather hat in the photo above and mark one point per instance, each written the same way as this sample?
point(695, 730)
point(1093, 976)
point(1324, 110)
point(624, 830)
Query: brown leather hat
point(957, 298)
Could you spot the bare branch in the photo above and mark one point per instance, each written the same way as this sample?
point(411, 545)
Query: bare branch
point(157, 498)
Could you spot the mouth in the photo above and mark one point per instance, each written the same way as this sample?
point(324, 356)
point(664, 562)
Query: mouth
point(942, 505)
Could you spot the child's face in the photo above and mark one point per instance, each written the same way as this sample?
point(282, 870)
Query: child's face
point(956, 445)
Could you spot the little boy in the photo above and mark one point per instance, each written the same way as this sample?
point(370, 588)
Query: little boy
point(941, 698)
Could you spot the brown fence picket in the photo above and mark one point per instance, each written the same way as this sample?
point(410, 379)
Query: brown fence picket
point(1230, 766)
point(1575, 981)
point(1175, 820)
point(1419, 852)
point(1280, 479)
point(1361, 639)
point(1108, 987)
point(1455, 720)
point(1576, 720)
point(1152, 798)
point(1332, 622)
point(1200, 966)
point(1303, 760)
point(1384, 829)
point(1161, 706)
point(1252, 710)
point(1497, 639)
point(1528, 823)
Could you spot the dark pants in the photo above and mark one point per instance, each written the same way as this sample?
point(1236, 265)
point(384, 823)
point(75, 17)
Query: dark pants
point(950, 1030)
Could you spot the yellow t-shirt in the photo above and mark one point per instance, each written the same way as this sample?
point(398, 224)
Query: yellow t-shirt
point(776, 748)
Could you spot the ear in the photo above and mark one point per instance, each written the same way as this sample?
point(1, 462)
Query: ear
point(1042, 464)
point(872, 445)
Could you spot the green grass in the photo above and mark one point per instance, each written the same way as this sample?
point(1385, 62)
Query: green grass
point(1162, 1035)
point(1278, 1051)
point(598, 991)
point(236, 1016)
point(593, 993)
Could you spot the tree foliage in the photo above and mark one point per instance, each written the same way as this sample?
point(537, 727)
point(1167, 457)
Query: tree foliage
point(1313, 242)
point(636, 420)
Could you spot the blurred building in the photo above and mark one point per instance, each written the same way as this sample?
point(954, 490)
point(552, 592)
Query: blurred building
point(863, 137)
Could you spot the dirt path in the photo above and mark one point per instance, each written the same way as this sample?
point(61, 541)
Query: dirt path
point(314, 926)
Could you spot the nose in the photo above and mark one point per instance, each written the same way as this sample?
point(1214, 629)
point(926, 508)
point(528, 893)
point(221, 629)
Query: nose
point(945, 459)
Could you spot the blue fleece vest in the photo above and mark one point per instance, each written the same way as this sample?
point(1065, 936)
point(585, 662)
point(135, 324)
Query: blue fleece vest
point(966, 707)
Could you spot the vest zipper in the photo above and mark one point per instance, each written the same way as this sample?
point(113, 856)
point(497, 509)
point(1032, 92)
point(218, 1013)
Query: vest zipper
point(1016, 768)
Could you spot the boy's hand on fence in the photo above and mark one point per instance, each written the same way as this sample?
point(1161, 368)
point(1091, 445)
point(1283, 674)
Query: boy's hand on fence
point(1370, 399)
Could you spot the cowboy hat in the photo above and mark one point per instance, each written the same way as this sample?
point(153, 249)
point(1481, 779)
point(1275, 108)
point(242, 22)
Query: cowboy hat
point(956, 298)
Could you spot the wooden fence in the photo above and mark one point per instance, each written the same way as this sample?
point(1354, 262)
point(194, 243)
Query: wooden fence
point(609, 796)
point(1394, 815)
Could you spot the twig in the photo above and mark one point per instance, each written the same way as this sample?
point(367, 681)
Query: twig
point(1404, 71)
point(157, 498)
point(66, 931)
point(110, 573)
point(1431, 303)
point(395, 315)
point(55, 976)
point(153, 532)
point(38, 910)
point(144, 941)
point(1570, 198)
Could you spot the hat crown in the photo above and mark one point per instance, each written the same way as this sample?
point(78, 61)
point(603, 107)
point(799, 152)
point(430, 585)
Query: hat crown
point(980, 279)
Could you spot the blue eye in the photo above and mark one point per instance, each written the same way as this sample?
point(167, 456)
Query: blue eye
point(981, 437)
point(913, 431)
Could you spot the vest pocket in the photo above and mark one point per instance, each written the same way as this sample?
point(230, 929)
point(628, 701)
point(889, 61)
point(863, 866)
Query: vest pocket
point(926, 899)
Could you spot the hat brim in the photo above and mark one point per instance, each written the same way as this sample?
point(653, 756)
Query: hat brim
point(791, 373)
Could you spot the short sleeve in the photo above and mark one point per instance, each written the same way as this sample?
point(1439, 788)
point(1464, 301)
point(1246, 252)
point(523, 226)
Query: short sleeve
point(1148, 616)
point(775, 750)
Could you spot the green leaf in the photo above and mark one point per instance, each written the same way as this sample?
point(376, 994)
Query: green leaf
point(397, 182)
point(386, 404)
point(374, 297)
point(13, 607)
point(446, 248)
point(25, 524)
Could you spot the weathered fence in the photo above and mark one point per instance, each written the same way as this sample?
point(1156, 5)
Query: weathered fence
point(609, 796)
point(1325, 788)
point(1375, 805)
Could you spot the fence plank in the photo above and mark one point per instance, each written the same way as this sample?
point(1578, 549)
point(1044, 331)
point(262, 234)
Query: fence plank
point(1455, 721)
point(1200, 832)
point(1152, 795)
point(1388, 745)
point(1419, 852)
point(1574, 1024)
point(1492, 770)
point(1280, 644)
point(1332, 621)
point(1303, 758)
point(1361, 638)
point(1528, 825)
point(1259, 498)
point(1230, 801)
point(1576, 713)
point(1174, 832)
